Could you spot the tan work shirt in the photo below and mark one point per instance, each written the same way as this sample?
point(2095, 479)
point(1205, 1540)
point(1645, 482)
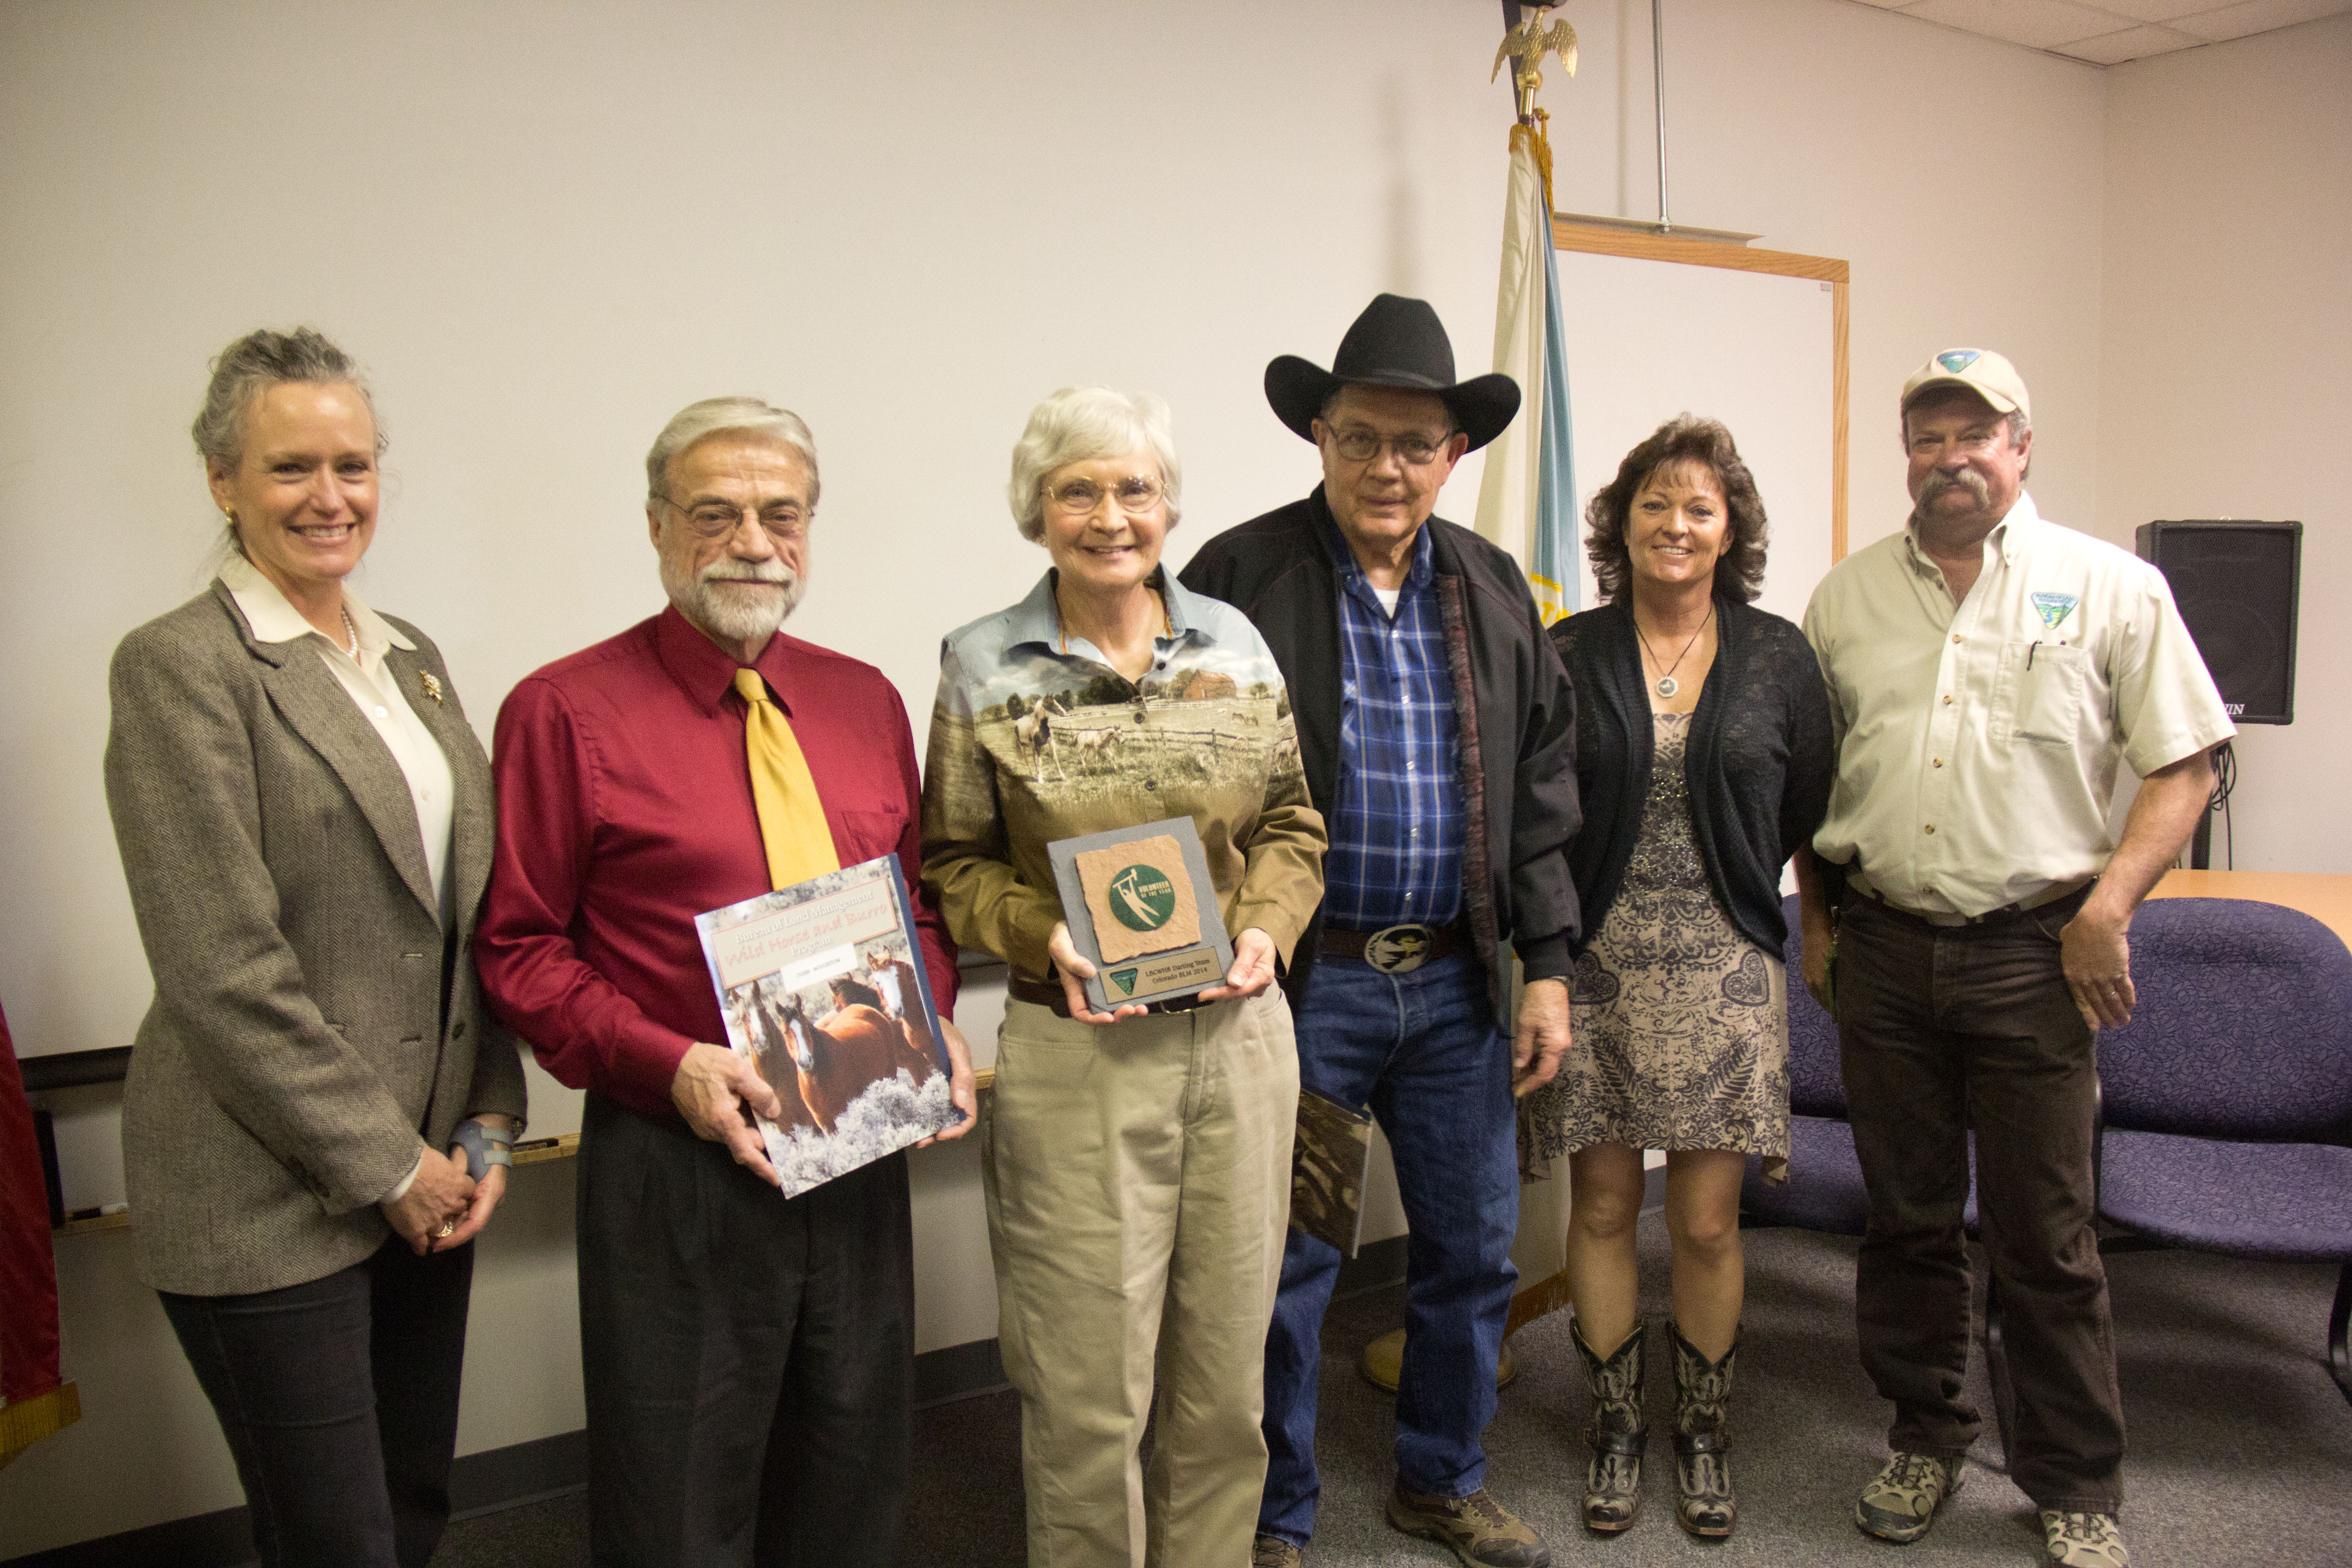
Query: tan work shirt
point(1977, 742)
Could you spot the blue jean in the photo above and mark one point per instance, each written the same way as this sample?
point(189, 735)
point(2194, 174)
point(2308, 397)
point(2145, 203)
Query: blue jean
point(1421, 1049)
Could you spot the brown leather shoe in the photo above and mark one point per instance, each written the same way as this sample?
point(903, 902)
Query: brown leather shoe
point(1482, 1532)
point(1273, 1551)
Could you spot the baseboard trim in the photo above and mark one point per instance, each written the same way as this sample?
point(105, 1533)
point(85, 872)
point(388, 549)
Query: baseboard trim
point(958, 1372)
point(499, 1479)
point(507, 1478)
point(1376, 1264)
point(486, 1483)
point(219, 1539)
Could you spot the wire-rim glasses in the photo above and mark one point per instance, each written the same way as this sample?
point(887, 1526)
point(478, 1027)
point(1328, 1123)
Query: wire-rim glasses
point(1134, 495)
point(782, 521)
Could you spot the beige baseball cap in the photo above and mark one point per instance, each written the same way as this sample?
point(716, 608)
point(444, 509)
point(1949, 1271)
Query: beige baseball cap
point(1981, 370)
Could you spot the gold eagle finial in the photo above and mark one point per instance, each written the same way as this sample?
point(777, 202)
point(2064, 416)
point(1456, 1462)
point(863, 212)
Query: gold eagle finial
point(1525, 46)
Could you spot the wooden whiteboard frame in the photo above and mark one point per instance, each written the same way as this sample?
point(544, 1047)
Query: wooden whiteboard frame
point(1592, 239)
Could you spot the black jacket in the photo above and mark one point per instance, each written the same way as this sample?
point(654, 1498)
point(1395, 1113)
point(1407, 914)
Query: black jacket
point(1759, 760)
point(1512, 700)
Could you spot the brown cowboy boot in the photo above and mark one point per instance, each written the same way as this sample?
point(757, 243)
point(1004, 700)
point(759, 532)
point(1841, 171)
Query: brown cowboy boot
point(1703, 1438)
point(1613, 1481)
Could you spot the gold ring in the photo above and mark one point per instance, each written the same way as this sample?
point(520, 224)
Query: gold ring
point(448, 1228)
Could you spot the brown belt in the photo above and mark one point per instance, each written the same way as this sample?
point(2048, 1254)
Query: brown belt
point(1049, 994)
point(1399, 949)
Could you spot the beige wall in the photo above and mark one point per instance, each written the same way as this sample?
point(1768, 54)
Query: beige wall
point(2225, 366)
point(1959, 176)
point(545, 228)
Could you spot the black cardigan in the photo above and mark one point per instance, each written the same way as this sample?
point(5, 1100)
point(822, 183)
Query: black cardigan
point(1512, 702)
point(1760, 759)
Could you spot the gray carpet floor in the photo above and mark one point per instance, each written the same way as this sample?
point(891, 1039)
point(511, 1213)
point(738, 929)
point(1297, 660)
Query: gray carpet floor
point(2240, 1445)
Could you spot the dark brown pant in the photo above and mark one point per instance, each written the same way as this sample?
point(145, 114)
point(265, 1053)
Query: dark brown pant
point(1941, 1028)
point(748, 1358)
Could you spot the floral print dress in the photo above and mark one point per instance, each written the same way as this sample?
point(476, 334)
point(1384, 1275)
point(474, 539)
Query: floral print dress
point(1680, 1023)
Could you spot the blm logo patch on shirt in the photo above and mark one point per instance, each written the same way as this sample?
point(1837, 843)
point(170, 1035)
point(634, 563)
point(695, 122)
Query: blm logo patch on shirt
point(2054, 607)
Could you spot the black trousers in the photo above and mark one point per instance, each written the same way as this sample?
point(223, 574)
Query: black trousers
point(749, 1359)
point(339, 1399)
point(1941, 1028)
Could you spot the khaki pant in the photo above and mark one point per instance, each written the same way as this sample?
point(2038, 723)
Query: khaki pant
point(1138, 1189)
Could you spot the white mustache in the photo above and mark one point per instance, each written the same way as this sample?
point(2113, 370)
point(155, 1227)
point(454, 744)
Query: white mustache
point(768, 571)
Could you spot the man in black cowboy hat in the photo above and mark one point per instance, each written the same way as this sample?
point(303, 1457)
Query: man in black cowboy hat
point(1438, 730)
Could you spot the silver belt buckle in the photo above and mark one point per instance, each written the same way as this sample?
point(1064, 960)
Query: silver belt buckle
point(1397, 949)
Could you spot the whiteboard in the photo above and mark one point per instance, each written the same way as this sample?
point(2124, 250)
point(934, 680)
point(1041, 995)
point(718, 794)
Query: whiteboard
point(1650, 339)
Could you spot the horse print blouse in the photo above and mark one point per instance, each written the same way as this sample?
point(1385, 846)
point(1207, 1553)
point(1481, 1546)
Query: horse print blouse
point(1035, 738)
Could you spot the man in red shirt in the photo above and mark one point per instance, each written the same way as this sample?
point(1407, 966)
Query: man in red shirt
point(747, 1358)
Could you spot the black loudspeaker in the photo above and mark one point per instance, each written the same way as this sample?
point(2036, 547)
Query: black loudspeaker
point(2236, 584)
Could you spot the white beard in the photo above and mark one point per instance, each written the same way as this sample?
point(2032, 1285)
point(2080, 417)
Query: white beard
point(715, 600)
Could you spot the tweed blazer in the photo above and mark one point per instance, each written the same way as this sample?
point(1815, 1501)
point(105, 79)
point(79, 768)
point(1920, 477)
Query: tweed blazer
point(312, 1019)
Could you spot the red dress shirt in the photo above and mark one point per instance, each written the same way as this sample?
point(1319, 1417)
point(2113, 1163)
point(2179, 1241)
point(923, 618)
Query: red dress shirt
point(625, 810)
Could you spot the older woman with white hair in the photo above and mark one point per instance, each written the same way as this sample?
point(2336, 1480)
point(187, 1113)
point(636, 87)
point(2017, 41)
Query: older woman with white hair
point(1137, 1162)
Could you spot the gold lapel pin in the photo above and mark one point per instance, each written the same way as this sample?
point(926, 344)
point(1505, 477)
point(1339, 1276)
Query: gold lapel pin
point(432, 684)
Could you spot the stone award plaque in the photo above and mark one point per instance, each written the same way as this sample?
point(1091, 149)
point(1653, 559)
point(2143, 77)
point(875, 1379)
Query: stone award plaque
point(1141, 908)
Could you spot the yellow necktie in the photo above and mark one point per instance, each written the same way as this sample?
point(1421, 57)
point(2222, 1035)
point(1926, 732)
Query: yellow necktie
point(792, 817)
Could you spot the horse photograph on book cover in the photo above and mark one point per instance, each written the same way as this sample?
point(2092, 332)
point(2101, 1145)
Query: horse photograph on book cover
point(824, 993)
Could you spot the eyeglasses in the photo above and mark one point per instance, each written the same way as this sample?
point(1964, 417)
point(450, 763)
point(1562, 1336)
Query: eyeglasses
point(717, 519)
point(1135, 495)
point(1359, 445)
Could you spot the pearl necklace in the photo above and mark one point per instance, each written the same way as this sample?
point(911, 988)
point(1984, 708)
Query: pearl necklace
point(350, 626)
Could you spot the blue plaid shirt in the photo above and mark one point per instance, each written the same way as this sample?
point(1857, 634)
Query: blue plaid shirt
point(1397, 836)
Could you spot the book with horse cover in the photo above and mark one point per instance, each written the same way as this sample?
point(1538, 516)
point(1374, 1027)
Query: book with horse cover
point(1327, 1156)
point(823, 989)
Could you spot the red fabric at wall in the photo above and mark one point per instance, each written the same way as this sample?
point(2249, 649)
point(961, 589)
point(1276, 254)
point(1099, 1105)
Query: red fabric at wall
point(29, 1276)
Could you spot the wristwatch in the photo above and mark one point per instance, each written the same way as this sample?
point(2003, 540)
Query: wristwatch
point(483, 1146)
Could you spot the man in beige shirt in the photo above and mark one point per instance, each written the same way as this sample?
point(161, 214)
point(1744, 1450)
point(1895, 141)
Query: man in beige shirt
point(1988, 669)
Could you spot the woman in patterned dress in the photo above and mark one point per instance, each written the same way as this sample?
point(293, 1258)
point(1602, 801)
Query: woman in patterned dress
point(1704, 758)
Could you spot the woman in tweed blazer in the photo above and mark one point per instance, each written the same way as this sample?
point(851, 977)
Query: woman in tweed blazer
point(317, 1094)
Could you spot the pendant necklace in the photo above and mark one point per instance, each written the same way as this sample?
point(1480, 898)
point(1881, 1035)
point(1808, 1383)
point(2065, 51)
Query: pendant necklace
point(1667, 685)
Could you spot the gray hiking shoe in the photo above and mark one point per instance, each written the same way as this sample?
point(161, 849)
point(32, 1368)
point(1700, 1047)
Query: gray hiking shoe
point(2083, 1539)
point(1900, 1503)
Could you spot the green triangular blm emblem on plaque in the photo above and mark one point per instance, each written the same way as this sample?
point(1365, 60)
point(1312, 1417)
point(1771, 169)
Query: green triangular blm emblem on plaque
point(1125, 980)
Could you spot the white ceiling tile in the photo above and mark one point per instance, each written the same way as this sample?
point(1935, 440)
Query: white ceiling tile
point(2038, 23)
point(2155, 10)
point(2258, 16)
point(2131, 44)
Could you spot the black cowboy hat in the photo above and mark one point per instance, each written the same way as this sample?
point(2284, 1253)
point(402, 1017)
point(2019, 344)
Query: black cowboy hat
point(1396, 342)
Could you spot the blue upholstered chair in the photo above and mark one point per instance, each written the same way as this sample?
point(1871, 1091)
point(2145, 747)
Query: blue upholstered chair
point(1824, 1189)
point(2228, 1097)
